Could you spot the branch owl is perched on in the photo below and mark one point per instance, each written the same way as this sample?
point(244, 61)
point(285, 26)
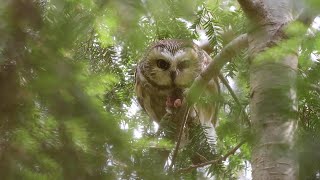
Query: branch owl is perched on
point(167, 69)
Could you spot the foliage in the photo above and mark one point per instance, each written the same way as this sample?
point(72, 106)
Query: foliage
point(309, 108)
point(52, 127)
point(68, 109)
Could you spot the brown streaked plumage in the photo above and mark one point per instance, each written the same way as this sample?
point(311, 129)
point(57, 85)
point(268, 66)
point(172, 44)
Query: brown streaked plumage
point(166, 70)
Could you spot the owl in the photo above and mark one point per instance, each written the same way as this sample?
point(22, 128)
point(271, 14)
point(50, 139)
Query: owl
point(166, 71)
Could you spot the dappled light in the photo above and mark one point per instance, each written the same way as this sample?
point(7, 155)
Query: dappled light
point(70, 109)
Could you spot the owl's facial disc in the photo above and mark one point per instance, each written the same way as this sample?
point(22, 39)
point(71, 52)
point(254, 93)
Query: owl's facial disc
point(186, 66)
point(172, 70)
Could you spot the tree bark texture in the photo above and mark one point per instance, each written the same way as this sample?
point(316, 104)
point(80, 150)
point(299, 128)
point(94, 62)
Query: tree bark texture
point(273, 100)
point(274, 119)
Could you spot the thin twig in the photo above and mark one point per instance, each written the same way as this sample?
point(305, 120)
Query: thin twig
point(185, 117)
point(223, 158)
point(234, 96)
point(225, 83)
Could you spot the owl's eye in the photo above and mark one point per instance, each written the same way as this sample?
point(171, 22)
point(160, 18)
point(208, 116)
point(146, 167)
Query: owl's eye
point(163, 64)
point(183, 65)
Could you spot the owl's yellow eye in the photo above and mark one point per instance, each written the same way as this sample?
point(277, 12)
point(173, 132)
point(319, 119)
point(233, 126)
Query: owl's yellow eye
point(163, 64)
point(183, 65)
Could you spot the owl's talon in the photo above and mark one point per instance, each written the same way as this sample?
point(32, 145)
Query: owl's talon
point(169, 102)
point(177, 103)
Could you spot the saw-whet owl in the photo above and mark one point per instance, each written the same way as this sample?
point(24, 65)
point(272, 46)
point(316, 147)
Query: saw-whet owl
point(166, 71)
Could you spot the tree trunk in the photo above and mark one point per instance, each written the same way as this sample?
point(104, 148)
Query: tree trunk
point(273, 100)
point(273, 114)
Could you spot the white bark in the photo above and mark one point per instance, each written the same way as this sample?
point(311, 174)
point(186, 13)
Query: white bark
point(273, 92)
point(273, 114)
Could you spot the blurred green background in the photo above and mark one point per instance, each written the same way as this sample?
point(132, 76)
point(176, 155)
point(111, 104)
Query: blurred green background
point(67, 106)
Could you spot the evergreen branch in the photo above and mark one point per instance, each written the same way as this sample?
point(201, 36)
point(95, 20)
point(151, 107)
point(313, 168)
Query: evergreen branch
point(185, 108)
point(234, 96)
point(222, 158)
point(213, 29)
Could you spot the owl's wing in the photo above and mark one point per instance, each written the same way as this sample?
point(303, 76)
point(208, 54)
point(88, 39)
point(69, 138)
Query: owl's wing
point(138, 89)
point(207, 108)
point(148, 98)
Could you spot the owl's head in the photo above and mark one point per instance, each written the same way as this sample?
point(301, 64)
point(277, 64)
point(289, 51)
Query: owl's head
point(171, 63)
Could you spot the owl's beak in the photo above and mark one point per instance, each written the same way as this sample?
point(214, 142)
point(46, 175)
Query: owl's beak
point(173, 75)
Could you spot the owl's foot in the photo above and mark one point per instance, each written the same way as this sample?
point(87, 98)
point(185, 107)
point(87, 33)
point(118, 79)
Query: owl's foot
point(169, 102)
point(172, 102)
point(177, 103)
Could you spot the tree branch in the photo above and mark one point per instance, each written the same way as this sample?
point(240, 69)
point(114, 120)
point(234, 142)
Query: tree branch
point(225, 82)
point(253, 10)
point(222, 158)
point(214, 67)
point(185, 109)
point(234, 96)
